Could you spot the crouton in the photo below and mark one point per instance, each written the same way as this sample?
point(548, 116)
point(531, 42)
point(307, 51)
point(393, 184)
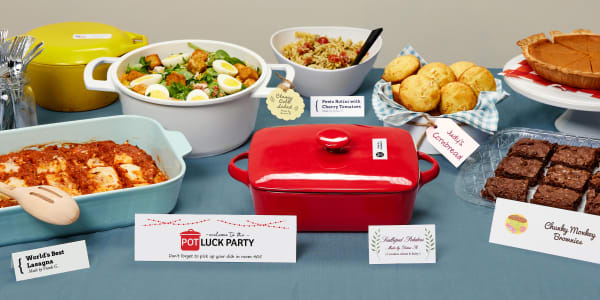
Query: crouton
point(175, 77)
point(153, 60)
point(247, 72)
point(248, 82)
point(140, 89)
point(239, 67)
point(133, 74)
point(197, 62)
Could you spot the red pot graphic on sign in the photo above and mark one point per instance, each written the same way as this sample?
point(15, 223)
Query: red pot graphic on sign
point(190, 240)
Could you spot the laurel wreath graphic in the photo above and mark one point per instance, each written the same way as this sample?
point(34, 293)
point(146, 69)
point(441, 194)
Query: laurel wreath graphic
point(429, 242)
point(376, 242)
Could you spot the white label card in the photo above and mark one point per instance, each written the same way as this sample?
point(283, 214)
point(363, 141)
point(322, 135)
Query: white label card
point(380, 151)
point(402, 244)
point(215, 238)
point(451, 141)
point(546, 229)
point(337, 106)
point(50, 260)
point(89, 36)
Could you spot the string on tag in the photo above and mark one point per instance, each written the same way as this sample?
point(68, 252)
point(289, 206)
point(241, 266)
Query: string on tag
point(285, 84)
point(430, 123)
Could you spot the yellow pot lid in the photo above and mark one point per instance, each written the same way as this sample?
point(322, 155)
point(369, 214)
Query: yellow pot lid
point(77, 43)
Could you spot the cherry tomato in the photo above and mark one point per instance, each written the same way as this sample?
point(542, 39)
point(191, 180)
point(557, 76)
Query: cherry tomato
point(322, 40)
point(308, 46)
point(343, 54)
point(333, 58)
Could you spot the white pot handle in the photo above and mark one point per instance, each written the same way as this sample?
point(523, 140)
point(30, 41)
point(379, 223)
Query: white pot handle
point(264, 91)
point(98, 85)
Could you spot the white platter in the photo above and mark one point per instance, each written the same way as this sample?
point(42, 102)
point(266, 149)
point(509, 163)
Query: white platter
point(581, 118)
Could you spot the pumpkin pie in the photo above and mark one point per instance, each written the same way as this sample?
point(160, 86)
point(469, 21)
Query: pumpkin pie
point(568, 58)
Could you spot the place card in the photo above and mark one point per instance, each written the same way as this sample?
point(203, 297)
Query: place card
point(546, 229)
point(50, 260)
point(451, 141)
point(215, 238)
point(337, 106)
point(402, 244)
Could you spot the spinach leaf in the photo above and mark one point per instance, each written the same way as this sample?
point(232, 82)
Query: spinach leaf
point(209, 75)
point(178, 90)
point(188, 75)
point(221, 54)
point(234, 60)
point(195, 47)
point(211, 58)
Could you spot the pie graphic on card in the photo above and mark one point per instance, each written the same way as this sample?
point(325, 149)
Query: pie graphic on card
point(572, 58)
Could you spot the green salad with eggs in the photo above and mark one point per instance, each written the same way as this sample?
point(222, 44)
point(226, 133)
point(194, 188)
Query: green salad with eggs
point(194, 76)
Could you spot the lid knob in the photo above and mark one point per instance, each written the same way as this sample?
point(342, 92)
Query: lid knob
point(333, 139)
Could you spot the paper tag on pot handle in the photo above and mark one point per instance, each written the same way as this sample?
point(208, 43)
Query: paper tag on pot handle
point(451, 141)
point(285, 104)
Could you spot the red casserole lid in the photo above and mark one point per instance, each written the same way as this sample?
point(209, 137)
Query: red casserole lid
point(333, 159)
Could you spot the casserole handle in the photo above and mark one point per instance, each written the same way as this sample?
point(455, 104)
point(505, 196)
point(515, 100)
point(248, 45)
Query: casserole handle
point(179, 143)
point(264, 91)
point(431, 174)
point(137, 40)
point(237, 173)
point(98, 85)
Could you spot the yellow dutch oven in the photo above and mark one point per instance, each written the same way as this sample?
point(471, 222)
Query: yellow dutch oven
point(56, 75)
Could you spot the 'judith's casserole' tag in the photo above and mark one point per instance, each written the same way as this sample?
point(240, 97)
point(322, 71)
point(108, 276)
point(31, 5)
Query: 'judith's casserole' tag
point(285, 103)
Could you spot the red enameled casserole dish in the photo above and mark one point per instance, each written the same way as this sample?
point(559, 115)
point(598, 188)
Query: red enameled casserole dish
point(334, 177)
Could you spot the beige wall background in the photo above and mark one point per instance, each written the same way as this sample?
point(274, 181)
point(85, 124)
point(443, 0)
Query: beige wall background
point(481, 31)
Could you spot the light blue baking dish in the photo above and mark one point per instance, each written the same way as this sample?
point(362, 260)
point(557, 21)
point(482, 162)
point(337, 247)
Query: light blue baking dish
point(105, 210)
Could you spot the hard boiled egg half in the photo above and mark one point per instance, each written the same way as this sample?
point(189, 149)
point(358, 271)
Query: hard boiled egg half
point(175, 59)
point(147, 80)
point(223, 67)
point(157, 91)
point(228, 84)
point(196, 95)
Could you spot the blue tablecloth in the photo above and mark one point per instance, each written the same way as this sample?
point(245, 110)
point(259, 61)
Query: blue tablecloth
point(330, 265)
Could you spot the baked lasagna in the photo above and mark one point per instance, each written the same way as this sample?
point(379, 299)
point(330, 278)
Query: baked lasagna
point(79, 169)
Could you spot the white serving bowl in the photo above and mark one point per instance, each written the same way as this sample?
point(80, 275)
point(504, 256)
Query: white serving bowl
point(212, 126)
point(315, 82)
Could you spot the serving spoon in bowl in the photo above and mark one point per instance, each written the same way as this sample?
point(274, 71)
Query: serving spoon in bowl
point(46, 203)
point(367, 45)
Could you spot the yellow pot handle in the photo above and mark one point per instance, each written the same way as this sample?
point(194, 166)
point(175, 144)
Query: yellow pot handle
point(137, 40)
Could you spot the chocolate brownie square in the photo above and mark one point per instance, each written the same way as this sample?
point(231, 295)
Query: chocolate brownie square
point(531, 148)
point(593, 203)
point(556, 197)
point(520, 168)
point(591, 194)
point(565, 177)
point(576, 157)
point(499, 187)
point(595, 182)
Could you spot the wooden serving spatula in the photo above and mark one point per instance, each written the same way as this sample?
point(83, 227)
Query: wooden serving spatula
point(46, 203)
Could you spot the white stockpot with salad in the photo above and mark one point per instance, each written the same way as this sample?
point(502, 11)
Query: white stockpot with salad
point(202, 88)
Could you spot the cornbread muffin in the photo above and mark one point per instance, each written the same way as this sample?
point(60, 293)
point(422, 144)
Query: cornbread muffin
point(400, 68)
point(396, 92)
point(419, 93)
point(457, 96)
point(479, 79)
point(439, 72)
point(460, 66)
